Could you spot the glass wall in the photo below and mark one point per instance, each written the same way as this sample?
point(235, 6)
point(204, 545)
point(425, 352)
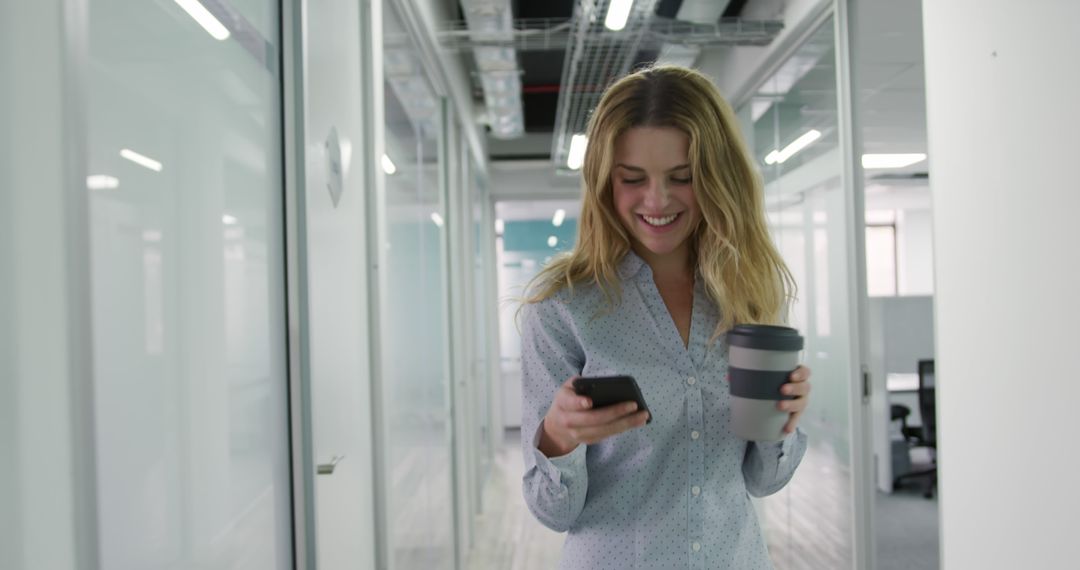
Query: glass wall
point(415, 360)
point(187, 276)
point(792, 126)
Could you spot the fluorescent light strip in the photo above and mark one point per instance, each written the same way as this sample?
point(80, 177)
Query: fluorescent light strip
point(212, 25)
point(779, 157)
point(560, 216)
point(577, 152)
point(891, 160)
point(144, 161)
point(101, 182)
point(228, 220)
point(435, 217)
point(388, 165)
point(500, 227)
point(617, 15)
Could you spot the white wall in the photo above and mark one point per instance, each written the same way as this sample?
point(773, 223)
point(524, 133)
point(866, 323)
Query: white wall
point(1002, 115)
point(915, 252)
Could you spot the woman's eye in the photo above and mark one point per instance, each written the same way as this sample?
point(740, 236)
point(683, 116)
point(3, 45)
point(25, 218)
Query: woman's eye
point(681, 180)
point(632, 180)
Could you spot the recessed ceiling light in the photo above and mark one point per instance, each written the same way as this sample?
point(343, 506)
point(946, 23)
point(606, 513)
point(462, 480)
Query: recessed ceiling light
point(435, 217)
point(212, 25)
point(560, 216)
point(101, 182)
point(617, 15)
point(553, 241)
point(577, 152)
point(891, 160)
point(388, 165)
point(141, 160)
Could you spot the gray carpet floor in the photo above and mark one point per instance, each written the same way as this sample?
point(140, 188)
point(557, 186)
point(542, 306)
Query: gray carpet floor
point(907, 530)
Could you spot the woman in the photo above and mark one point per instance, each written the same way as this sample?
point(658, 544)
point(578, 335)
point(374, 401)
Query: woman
point(672, 251)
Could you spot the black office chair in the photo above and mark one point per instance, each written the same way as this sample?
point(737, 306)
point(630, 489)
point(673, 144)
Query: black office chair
point(926, 435)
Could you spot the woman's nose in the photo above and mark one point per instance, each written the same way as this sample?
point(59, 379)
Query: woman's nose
point(657, 195)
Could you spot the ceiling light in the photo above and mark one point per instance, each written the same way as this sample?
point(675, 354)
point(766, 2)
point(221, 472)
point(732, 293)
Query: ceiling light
point(560, 215)
point(891, 160)
point(435, 217)
point(617, 15)
point(388, 165)
point(141, 160)
point(780, 156)
point(553, 241)
point(500, 227)
point(101, 182)
point(205, 19)
point(577, 152)
point(228, 220)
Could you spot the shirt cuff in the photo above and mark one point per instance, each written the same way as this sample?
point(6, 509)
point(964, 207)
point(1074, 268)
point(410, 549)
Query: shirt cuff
point(780, 448)
point(554, 467)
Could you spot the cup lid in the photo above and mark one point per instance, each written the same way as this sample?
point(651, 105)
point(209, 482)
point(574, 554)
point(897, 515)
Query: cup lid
point(765, 337)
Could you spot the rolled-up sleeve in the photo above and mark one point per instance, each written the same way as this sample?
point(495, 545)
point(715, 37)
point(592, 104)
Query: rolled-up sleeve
point(554, 488)
point(768, 466)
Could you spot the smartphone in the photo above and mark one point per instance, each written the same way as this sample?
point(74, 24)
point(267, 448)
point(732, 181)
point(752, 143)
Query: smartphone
point(610, 390)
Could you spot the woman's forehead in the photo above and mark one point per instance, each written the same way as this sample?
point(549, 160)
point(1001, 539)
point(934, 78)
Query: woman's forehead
point(651, 147)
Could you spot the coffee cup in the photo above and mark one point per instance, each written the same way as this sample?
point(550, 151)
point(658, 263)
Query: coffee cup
point(760, 359)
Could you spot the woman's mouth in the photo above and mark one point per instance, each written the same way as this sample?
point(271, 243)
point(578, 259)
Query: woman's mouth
point(659, 222)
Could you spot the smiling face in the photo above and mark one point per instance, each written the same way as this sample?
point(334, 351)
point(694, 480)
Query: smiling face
point(653, 192)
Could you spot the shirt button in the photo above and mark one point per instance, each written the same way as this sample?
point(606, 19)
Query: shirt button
point(691, 381)
point(695, 490)
point(694, 434)
point(696, 546)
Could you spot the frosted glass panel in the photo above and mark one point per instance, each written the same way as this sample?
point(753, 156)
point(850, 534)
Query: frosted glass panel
point(187, 287)
point(414, 338)
point(808, 524)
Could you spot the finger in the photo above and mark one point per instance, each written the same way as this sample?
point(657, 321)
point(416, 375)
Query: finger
point(569, 400)
point(796, 389)
point(600, 416)
point(792, 423)
point(800, 374)
point(599, 433)
point(791, 405)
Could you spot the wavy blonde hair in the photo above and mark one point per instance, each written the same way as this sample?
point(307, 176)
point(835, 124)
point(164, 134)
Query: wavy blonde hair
point(743, 272)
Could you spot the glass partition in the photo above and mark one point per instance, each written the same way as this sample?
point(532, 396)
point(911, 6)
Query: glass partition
point(187, 272)
point(413, 314)
point(793, 131)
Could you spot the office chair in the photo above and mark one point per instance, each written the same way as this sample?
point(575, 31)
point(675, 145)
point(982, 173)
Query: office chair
point(927, 432)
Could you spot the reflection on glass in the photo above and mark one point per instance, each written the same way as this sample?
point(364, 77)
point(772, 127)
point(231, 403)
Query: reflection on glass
point(188, 313)
point(794, 138)
point(414, 338)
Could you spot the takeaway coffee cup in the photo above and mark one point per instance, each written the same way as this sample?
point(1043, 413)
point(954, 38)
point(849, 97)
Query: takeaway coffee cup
point(760, 358)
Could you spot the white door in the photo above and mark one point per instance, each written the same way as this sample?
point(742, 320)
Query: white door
point(336, 263)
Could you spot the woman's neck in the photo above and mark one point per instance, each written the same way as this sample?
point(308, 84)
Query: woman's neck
point(674, 265)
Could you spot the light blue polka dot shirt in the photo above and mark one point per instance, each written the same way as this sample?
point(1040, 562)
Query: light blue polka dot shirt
point(674, 493)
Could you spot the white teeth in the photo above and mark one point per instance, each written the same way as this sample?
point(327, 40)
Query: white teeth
point(660, 221)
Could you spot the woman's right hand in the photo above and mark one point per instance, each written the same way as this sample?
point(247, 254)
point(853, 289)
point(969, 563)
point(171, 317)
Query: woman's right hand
point(571, 421)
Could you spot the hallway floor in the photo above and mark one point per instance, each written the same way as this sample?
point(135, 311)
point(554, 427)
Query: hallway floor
point(507, 535)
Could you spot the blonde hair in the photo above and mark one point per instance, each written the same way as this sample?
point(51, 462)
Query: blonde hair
point(743, 272)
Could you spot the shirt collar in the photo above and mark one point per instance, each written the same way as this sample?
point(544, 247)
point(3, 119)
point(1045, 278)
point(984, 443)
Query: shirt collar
point(631, 266)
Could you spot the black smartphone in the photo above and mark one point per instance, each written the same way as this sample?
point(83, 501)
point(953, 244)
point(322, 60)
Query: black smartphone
point(610, 390)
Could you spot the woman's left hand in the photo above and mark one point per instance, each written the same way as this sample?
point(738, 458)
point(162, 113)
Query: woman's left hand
point(798, 386)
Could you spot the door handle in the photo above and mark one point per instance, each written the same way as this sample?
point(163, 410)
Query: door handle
point(328, 468)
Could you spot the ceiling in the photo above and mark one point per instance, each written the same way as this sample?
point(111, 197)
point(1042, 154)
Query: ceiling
point(888, 62)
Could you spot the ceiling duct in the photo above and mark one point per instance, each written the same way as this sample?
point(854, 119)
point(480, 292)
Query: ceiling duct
point(698, 12)
point(497, 65)
point(595, 57)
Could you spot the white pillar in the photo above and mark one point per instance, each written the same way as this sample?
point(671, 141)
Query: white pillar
point(1002, 81)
